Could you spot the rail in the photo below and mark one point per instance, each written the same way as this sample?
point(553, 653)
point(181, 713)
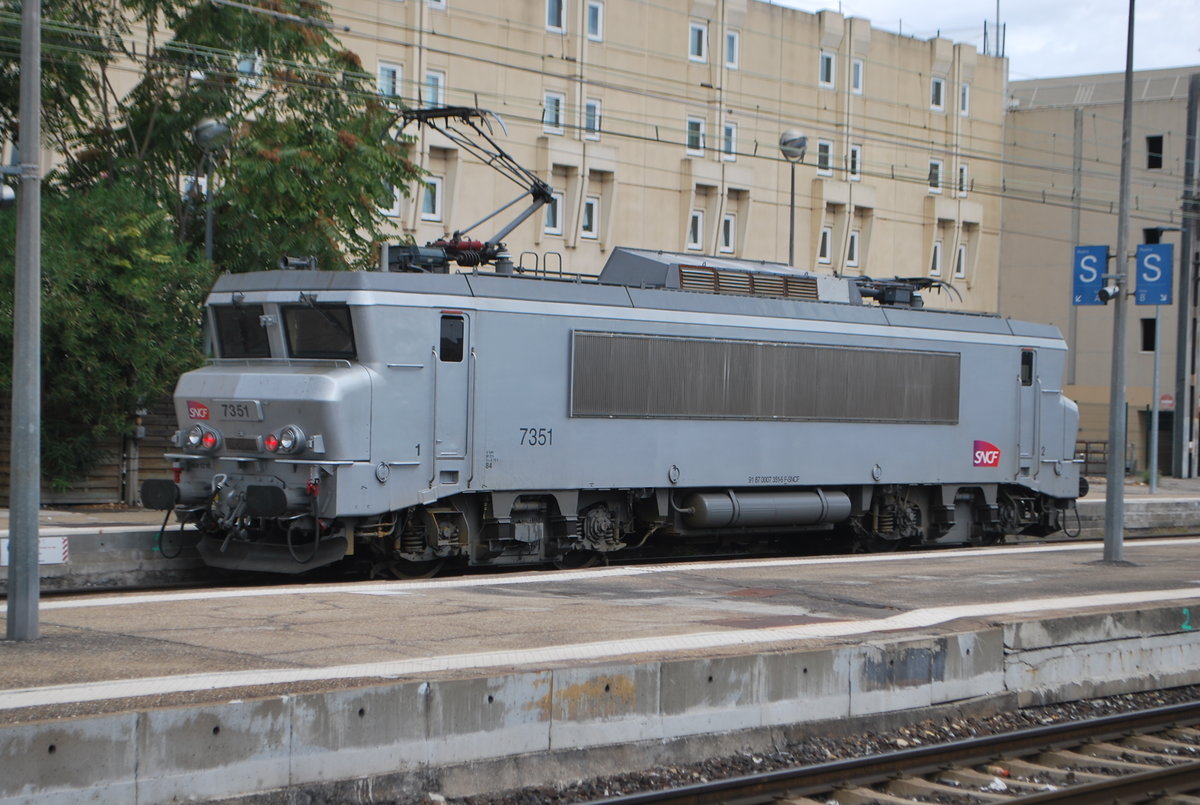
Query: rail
point(996, 752)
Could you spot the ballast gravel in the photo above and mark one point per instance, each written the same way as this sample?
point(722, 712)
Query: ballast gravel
point(822, 750)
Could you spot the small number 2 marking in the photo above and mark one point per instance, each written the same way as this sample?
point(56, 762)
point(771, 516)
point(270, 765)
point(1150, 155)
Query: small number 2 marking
point(1187, 620)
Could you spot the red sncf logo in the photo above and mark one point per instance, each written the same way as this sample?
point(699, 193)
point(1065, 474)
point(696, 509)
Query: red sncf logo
point(986, 454)
point(197, 410)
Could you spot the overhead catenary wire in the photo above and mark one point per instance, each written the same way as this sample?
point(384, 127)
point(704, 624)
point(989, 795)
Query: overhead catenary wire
point(986, 149)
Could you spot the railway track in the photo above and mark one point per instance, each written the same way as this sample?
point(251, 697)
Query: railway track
point(1149, 756)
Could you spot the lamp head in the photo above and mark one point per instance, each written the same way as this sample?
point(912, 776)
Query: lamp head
point(793, 144)
point(210, 134)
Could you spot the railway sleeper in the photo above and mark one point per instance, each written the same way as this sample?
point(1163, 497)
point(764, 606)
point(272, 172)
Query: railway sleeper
point(920, 787)
point(1153, 743)
point(979, 779)
point(1070, 759)
point(1057, 773)
point(1127, 753)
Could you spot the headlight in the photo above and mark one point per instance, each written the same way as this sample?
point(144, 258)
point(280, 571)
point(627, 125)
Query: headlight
point(289, 439)
point(202, 439)
point(194, 435)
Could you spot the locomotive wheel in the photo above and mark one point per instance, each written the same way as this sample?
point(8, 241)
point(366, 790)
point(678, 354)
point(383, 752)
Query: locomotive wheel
point(406, 569)
point(578, 560)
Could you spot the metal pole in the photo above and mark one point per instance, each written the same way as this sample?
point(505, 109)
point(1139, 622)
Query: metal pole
point(25, 490)
point(208, 207)
point(792, 220)
point(1154, 407)
point(1114, 503)
point(1076, 204)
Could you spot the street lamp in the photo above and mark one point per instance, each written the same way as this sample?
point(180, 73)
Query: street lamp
point(793, 144)
point(210, 136)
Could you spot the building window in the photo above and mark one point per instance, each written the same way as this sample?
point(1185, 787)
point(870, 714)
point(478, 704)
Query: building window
point(553, 224)
point(431, 199)
point(935, 261)
point(390, 80)
point(394, 210)
point(855, 165)
point(591, 119)
point(441, 4)
point(935, 176)
point(852, 249)
point(728, 232)
point(729, 141)
point(433, 91)
point(964, 100)
point(826, 69)
point(733, 47)
point(825, 245)
point(1154, 152)
point(552, 112)
point(960, 262)
point(250, 70)
point(937, 93)
point(696, 230)
point(589, 227)
point(698, 41)
point(194, 188)
point(595, 21)
point(695, 136)
point(962, 179)
point(857, 70)
point(824, 157)
point(1149, 335)
point(556, 16)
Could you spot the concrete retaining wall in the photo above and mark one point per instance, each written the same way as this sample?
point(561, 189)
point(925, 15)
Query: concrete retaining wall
point(469, 735)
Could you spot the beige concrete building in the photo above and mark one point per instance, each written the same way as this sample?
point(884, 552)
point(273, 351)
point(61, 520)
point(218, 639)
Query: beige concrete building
point(1062, 155)
point(658, 126)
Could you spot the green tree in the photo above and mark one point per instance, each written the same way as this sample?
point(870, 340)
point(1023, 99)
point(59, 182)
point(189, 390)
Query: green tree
point(314, 155)
point(120, 311)
point(312, 160)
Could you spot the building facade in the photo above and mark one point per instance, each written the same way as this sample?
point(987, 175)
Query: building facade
point(1061, 189)
point(658, 125)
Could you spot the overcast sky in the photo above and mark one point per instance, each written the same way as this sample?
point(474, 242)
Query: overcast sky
point(1045, 38)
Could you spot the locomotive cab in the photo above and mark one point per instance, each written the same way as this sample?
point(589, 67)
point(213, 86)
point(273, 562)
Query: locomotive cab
point(263, 431)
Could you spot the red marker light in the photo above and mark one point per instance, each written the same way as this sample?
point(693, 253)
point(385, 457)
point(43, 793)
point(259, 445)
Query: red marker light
point(208, 440)
point(271, 442)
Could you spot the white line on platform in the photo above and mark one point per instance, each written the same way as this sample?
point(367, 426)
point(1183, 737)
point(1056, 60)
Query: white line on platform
point(541, 657)
point(560, 576)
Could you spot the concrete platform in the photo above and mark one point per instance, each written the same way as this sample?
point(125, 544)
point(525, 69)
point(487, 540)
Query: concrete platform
point(386, 690)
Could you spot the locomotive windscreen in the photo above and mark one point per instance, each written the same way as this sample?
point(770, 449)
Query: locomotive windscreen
point(319, 331)
point(240, 333)
point(639, 376)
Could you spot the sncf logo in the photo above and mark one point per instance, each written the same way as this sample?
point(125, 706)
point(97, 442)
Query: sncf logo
point(198, 410)
point(986, 454)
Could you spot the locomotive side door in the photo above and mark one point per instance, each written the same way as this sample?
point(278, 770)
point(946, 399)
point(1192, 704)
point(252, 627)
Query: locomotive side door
point(453, 372)
point(1028, 413)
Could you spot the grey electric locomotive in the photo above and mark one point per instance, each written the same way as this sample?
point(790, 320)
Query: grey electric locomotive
point(405, 418)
